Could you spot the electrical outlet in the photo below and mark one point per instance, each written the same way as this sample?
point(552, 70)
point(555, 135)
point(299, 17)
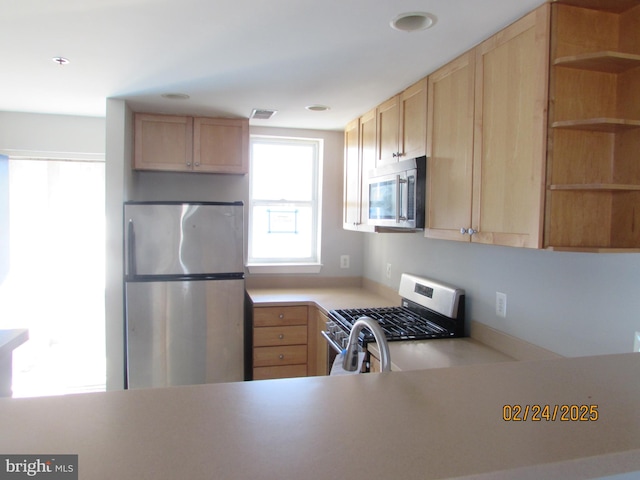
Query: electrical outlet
point(501, 304)
point(636, 342)
point(344, 261)
point(388, 273)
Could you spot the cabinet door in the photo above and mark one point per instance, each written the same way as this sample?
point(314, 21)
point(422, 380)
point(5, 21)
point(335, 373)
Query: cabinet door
point(388, 118)
point(367, 163)
point(163, 142)
point(413, 121)
point(352, 178)
point(510, 137)
point(221, 145)
point(317, 362)
point(450, 149)
point(359, 159)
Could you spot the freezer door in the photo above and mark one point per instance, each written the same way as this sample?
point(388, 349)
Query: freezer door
point(184, 333)
point(183, 239)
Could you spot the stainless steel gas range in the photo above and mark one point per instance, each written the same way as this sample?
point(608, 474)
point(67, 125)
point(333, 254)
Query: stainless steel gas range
point(429, 310)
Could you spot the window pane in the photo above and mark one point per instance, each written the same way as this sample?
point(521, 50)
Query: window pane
point(282, 232)
point(282, 172)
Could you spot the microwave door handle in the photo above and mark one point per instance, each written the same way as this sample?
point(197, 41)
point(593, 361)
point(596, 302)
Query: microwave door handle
point(398, 198)
point(401, 200)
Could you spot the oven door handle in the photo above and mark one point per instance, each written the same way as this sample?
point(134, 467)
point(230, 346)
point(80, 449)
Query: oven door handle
point(332, 343)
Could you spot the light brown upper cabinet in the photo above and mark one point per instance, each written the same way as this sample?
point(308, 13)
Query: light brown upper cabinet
point(401, 125)
point(593, 174)
point(351, 204)
point(450, 149)
point(187, 144)
point(509, 152)
point(359, 159)
point(486, 139)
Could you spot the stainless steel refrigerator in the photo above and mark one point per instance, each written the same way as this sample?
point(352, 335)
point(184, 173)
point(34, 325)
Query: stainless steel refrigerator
point(184, 293)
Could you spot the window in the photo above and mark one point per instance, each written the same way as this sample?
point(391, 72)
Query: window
point(284, 204)
point(55, 282)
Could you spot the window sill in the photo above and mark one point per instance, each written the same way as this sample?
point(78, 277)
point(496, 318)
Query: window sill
point(284, 268)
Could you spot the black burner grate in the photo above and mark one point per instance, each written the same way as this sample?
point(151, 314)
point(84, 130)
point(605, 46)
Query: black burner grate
point(398, 323)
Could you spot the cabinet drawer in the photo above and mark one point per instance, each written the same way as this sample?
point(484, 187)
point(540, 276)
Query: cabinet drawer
point(270, 336)
point(276, 316)
point(285, 355)
point(286, 371)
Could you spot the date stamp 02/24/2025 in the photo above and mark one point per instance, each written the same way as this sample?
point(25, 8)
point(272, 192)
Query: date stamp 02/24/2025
point(550, 413)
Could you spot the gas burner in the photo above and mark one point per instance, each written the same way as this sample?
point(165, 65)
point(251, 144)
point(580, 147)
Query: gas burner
point(429, 310)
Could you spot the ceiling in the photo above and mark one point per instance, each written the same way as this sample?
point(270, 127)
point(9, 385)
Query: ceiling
point(231, 56)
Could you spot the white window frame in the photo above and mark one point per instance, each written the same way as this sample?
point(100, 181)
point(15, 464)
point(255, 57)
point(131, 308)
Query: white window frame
point(277, 265)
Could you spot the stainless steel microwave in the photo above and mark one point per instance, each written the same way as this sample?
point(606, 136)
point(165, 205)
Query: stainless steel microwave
point(397, 194)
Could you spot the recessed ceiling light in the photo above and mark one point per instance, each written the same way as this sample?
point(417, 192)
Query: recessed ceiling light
point(317, 108)
point(175, 96)
point(61, 60)
point(413, 21)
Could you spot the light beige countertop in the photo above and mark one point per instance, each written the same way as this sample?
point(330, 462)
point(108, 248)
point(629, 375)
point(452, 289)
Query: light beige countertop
point(437, 423)
point(324, 298)
point(439, 353)
point(412, 355)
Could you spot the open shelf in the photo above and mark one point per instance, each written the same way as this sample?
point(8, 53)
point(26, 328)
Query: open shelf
point(593, 171)
point(607, 62)
point(606, 125)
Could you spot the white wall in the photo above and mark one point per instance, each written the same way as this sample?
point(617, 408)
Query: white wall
point(573, 304)
point(33, 133)
point(119, 184)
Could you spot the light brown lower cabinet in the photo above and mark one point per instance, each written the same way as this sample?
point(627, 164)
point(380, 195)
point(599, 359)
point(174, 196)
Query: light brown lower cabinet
point(374, 364)
point(287, 342)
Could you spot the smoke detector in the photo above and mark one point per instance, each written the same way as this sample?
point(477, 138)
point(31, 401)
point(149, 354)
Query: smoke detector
point(262, 114)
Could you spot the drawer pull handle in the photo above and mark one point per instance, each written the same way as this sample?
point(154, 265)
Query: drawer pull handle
point(281, 315)
point(281, 336)
point(281, 357)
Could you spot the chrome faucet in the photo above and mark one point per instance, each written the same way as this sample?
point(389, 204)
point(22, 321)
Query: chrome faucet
point(350, 362)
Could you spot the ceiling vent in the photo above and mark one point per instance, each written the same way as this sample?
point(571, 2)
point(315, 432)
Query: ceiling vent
point(262, 114)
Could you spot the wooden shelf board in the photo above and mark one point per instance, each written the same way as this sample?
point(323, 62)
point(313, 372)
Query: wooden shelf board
point(608, 62)
point(613, 6)
point(607, 125)
point(604, 187)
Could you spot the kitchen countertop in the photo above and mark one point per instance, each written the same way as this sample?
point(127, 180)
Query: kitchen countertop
point(439, 353)
point(12, 339)
point(9, 341)
point(438, 423)
point(412, 355)
point(325, 299)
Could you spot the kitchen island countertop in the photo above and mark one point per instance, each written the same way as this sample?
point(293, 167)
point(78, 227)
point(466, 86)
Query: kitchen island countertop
point(438, 423)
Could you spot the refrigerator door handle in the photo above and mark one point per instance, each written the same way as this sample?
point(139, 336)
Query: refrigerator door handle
point(131, 250)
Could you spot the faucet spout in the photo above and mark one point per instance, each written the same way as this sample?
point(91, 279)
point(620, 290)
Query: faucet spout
point(350, 362)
